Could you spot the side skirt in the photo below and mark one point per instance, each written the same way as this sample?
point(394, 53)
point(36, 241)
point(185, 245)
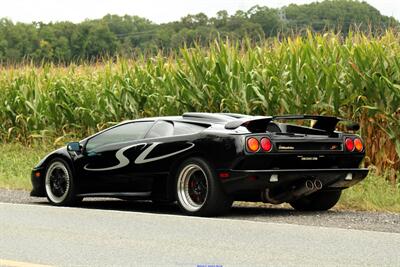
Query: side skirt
point(117, 194)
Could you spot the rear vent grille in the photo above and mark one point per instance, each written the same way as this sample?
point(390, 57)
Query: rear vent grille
point(314, 146)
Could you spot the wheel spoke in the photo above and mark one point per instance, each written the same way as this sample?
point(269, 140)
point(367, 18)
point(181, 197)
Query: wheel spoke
point(192, 187)
point(57, 182)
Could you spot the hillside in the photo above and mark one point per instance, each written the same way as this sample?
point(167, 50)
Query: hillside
point(63, 42)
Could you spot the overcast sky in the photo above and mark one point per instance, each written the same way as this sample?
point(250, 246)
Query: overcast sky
point(157, 11)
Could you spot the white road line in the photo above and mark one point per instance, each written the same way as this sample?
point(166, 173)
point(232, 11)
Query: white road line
point(10, 263)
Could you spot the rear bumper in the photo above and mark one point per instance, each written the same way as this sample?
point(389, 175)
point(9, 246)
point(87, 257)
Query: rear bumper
point(243, 180)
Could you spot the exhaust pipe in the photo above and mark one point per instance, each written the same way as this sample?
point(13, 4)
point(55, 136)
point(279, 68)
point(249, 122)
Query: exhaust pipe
point(317, 184)
point(310, 185)
point(305, 189)
point(267, 198)
point(308, 188)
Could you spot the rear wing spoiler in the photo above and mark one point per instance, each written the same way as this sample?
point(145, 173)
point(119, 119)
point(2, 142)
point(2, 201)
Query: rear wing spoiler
point(260, 123)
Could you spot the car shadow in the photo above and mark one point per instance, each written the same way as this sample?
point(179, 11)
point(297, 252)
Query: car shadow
point(238, 210)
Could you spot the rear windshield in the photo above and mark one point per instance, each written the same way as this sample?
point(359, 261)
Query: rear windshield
point(161, 129)
point(167, 128)
point(187, 128)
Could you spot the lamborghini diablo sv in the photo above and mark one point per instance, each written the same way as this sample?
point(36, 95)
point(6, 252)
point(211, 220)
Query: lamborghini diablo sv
point(205, 161)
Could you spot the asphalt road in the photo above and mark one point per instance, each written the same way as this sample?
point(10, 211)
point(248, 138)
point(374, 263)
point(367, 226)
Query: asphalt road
point(103, 232)
point(48, 235)
point(372, 221)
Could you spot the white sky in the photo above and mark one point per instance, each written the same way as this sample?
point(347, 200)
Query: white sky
point(157, 11)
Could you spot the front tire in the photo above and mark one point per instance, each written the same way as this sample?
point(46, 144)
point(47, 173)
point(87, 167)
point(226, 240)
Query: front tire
point(318, 201)
point(59, 183)
point(198, 191)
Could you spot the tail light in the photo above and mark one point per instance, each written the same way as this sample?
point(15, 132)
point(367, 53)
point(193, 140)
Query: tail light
point(253, 145)
point(358, 144)
point(349, 144)
point(266, 144)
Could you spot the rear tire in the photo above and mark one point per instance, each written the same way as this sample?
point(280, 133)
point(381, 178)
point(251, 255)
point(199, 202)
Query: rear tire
point(59, 184)
point(318, 201)
point(198, 191)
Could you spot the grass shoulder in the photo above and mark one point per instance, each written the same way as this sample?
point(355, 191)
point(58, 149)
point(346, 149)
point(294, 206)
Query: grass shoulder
point(16, 163)
point(375, 193)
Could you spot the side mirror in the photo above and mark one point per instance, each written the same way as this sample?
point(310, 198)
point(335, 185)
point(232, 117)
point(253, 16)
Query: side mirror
point(74, 146)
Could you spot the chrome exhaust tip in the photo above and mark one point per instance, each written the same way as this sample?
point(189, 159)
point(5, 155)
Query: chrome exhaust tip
point(309, 185)
point(317, 184)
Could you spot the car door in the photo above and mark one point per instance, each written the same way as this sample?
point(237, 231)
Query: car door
point(106, 164)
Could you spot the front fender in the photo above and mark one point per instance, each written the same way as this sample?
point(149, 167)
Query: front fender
point(39, 171)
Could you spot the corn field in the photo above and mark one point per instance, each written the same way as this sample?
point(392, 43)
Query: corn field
point(357, 77)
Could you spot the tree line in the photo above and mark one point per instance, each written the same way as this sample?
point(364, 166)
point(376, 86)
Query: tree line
point(112, 35)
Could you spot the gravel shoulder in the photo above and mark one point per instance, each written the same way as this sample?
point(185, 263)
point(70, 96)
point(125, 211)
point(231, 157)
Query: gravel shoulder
point(360, 220)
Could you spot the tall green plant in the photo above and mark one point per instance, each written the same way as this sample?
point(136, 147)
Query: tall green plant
point(357, 78)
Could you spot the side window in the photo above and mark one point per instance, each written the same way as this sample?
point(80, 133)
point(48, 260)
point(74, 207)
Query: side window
point(187, 128)
point(161, 129)
point(124, 133)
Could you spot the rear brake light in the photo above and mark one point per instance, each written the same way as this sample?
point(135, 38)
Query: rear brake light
point(266, 144)
point(349, 144)
point(358, 144)
point(253, 145)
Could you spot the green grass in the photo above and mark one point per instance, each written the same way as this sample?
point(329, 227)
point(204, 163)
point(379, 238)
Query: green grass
point(356, 77)
point(16, 163)
point(373, 194)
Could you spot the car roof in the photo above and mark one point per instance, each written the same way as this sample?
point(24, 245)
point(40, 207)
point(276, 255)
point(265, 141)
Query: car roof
point(198, 117)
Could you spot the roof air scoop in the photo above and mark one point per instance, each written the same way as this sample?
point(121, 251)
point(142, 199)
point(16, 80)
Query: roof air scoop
point(257, 124)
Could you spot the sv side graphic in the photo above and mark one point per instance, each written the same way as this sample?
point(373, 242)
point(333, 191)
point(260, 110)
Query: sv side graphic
point(124, 161)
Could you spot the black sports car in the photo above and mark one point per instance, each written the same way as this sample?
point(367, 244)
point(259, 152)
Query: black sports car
point(204, 161)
